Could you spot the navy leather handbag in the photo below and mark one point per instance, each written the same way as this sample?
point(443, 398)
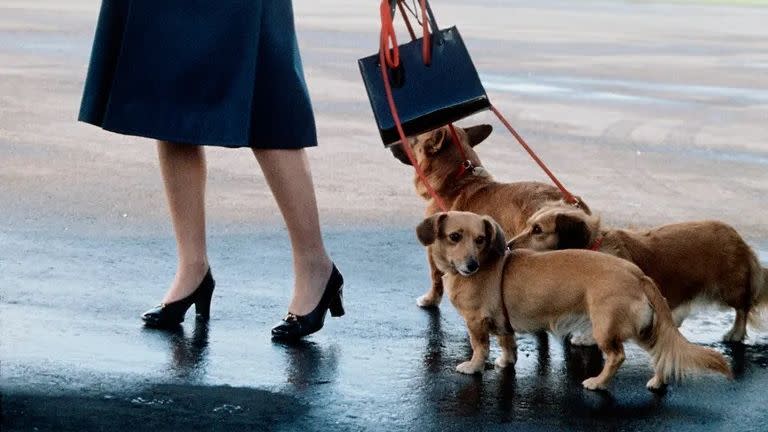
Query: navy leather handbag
point(431, 86)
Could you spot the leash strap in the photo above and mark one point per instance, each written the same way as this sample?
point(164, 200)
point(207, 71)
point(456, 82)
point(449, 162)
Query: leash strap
point(404, 141)
point(569, 198)
point(426, 46)
point(388, 40)
point(388, 36)
point(389, 57)
point(466, 164)
point(400, 6)
point(455, 138)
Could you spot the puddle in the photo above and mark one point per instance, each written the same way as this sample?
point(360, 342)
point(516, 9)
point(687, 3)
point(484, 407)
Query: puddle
point(621, 90)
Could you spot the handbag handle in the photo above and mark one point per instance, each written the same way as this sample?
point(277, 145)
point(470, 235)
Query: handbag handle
point(426, 7)
point(388, 37)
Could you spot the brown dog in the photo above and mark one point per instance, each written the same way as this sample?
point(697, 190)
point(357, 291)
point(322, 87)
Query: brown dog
point(691, 262)
point(470, 187)
point(500, 293)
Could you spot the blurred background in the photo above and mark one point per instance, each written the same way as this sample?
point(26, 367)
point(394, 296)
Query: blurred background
point(652, 111)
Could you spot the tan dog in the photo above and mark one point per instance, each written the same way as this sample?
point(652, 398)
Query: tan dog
point(691, 262)
point(555, 291)
point(470, 188)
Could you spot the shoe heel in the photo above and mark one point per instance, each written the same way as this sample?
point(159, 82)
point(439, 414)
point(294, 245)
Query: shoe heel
point(203, 304)
point(337, 306)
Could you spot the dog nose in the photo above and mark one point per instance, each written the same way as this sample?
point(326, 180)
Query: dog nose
point(472, 266)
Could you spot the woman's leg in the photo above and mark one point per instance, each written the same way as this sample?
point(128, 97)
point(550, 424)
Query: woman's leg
point(184, 174)
point(289, 177)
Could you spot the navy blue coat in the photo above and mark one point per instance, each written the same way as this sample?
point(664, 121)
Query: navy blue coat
point(224, 72)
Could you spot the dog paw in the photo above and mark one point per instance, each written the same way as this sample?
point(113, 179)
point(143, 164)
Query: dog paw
point(735, 336)
point(654, 384)
point(583, 339)
point(428, 301)
point(468, 368)
point(593, 384)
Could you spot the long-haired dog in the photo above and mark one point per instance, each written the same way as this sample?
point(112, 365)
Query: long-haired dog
point(691, 262)
point(525, 291)
point(466, 185)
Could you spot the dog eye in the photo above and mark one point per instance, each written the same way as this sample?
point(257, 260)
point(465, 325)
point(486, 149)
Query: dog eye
point(480, 240)
point(537, 229)
point(455, 237)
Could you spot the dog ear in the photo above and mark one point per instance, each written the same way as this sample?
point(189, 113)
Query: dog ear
point(430, 228)
point(495, 240)
point(399, 153)
point(572, 232)
point(435, 142)
point(478, 134)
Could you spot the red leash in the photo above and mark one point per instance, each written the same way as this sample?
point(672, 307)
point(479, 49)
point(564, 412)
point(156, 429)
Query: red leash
point(466, 164)
point(392, 60)
point(407, 21)
point(569, 198)
point(389, 57)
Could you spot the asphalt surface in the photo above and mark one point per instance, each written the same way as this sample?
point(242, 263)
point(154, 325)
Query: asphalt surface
point(653, 112)
point(75, 356)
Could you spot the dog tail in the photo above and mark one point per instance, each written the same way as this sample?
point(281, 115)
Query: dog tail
point(674, 357)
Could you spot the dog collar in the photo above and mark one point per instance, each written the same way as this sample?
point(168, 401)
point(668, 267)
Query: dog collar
point(466, 167)
point(596, 245)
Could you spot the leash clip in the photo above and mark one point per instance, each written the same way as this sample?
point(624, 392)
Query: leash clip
point(577, 203)
point(465, 167)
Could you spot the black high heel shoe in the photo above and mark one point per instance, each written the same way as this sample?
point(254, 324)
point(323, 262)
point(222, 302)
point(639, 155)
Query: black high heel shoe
point(172, 314)
point(297, 326)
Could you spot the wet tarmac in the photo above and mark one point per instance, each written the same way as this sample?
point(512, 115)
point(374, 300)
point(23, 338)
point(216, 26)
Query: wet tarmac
point(75, 356)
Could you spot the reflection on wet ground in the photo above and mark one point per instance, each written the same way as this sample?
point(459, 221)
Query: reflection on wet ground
point(188, 352)
point(308, 364)
point(386, 365)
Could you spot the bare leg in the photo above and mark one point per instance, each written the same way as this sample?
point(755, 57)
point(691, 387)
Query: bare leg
point(508, 351)
point(289, 177)
point(184, 174)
